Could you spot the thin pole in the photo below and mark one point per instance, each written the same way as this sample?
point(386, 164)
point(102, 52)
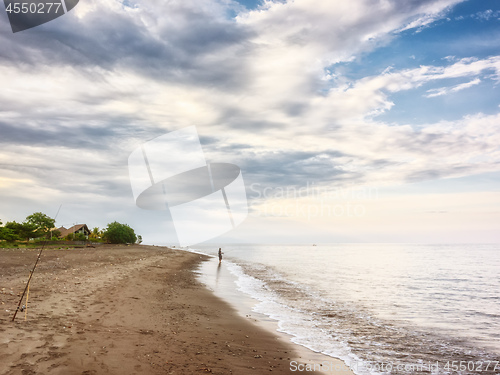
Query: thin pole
point(29, 280)
point(31, 273)
point(57, 213)
point(27, 297)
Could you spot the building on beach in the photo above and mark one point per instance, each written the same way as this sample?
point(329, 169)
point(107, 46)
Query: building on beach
point(74, 230)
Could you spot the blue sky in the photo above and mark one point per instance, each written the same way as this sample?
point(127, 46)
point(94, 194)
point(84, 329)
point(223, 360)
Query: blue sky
point(250, 4)
point(396, 97)
point(470, 29)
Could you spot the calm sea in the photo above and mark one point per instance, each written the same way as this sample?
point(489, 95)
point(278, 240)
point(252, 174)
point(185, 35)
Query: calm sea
point(381, 308)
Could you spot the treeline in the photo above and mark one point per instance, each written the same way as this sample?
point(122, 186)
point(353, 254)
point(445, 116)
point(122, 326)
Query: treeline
point(39, 226)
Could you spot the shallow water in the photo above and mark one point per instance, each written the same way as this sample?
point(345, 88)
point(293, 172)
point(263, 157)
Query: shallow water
point(375, 305)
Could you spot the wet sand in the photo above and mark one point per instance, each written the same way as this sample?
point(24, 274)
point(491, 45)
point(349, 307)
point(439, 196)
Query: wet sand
point(126, 310)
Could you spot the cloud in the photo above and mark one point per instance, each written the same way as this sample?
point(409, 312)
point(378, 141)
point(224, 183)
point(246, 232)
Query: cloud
point(180, 41)
point(486, 15)
point(295, 41)
point(446, 90)
point(78, 95)
point(370, 95)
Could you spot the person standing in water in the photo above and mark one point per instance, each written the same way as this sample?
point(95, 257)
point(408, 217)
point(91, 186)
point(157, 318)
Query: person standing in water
point(220, 255)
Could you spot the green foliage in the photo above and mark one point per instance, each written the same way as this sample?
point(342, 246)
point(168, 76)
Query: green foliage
point(96, 234)
point(8, 235)
point(39, 225)
point(41, 222)
point(35, 225)
point(139, 239)
point(22, 230)
point(119, 233)
point(80, 237)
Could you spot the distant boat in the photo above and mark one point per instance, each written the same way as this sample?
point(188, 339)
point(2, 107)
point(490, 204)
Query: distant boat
point(314, 244)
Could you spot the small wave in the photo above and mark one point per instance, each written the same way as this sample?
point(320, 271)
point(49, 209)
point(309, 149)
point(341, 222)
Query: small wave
point(347, 331)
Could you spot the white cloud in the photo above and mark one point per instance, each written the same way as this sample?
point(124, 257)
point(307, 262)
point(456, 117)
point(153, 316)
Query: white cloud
point(446, 90)
point(370, 95)
point(487, 15)
point(255, 87)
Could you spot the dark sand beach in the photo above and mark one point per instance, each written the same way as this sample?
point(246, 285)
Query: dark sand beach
point(126, 310)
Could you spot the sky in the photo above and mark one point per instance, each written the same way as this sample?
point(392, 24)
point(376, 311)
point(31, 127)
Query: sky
point(351, 121)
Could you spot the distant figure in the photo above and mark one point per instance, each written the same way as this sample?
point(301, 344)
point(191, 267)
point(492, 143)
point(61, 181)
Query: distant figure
point(220, 255)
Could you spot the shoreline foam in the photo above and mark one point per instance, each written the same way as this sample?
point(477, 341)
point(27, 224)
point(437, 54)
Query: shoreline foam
point(222, 282)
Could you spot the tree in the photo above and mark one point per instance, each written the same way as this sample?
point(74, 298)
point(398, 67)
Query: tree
point(119, 233)
point(22, 230)
point(96, 234)
point(7, 234)
point(41, 222)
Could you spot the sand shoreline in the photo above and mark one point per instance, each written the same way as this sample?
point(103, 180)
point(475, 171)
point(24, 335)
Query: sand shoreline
point(219, 280)
point(125, 310)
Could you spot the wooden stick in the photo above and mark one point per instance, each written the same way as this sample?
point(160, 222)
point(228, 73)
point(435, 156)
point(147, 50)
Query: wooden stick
point(31, 274)
point(29, 280)
point(27, 297)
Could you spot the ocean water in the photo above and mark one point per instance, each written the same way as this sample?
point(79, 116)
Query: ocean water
point(381, 308)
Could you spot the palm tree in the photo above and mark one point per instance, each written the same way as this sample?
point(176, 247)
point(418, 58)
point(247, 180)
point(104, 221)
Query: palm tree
point(96, 233)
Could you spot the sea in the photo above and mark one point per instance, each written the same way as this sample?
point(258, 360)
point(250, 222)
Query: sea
point(380, 308)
